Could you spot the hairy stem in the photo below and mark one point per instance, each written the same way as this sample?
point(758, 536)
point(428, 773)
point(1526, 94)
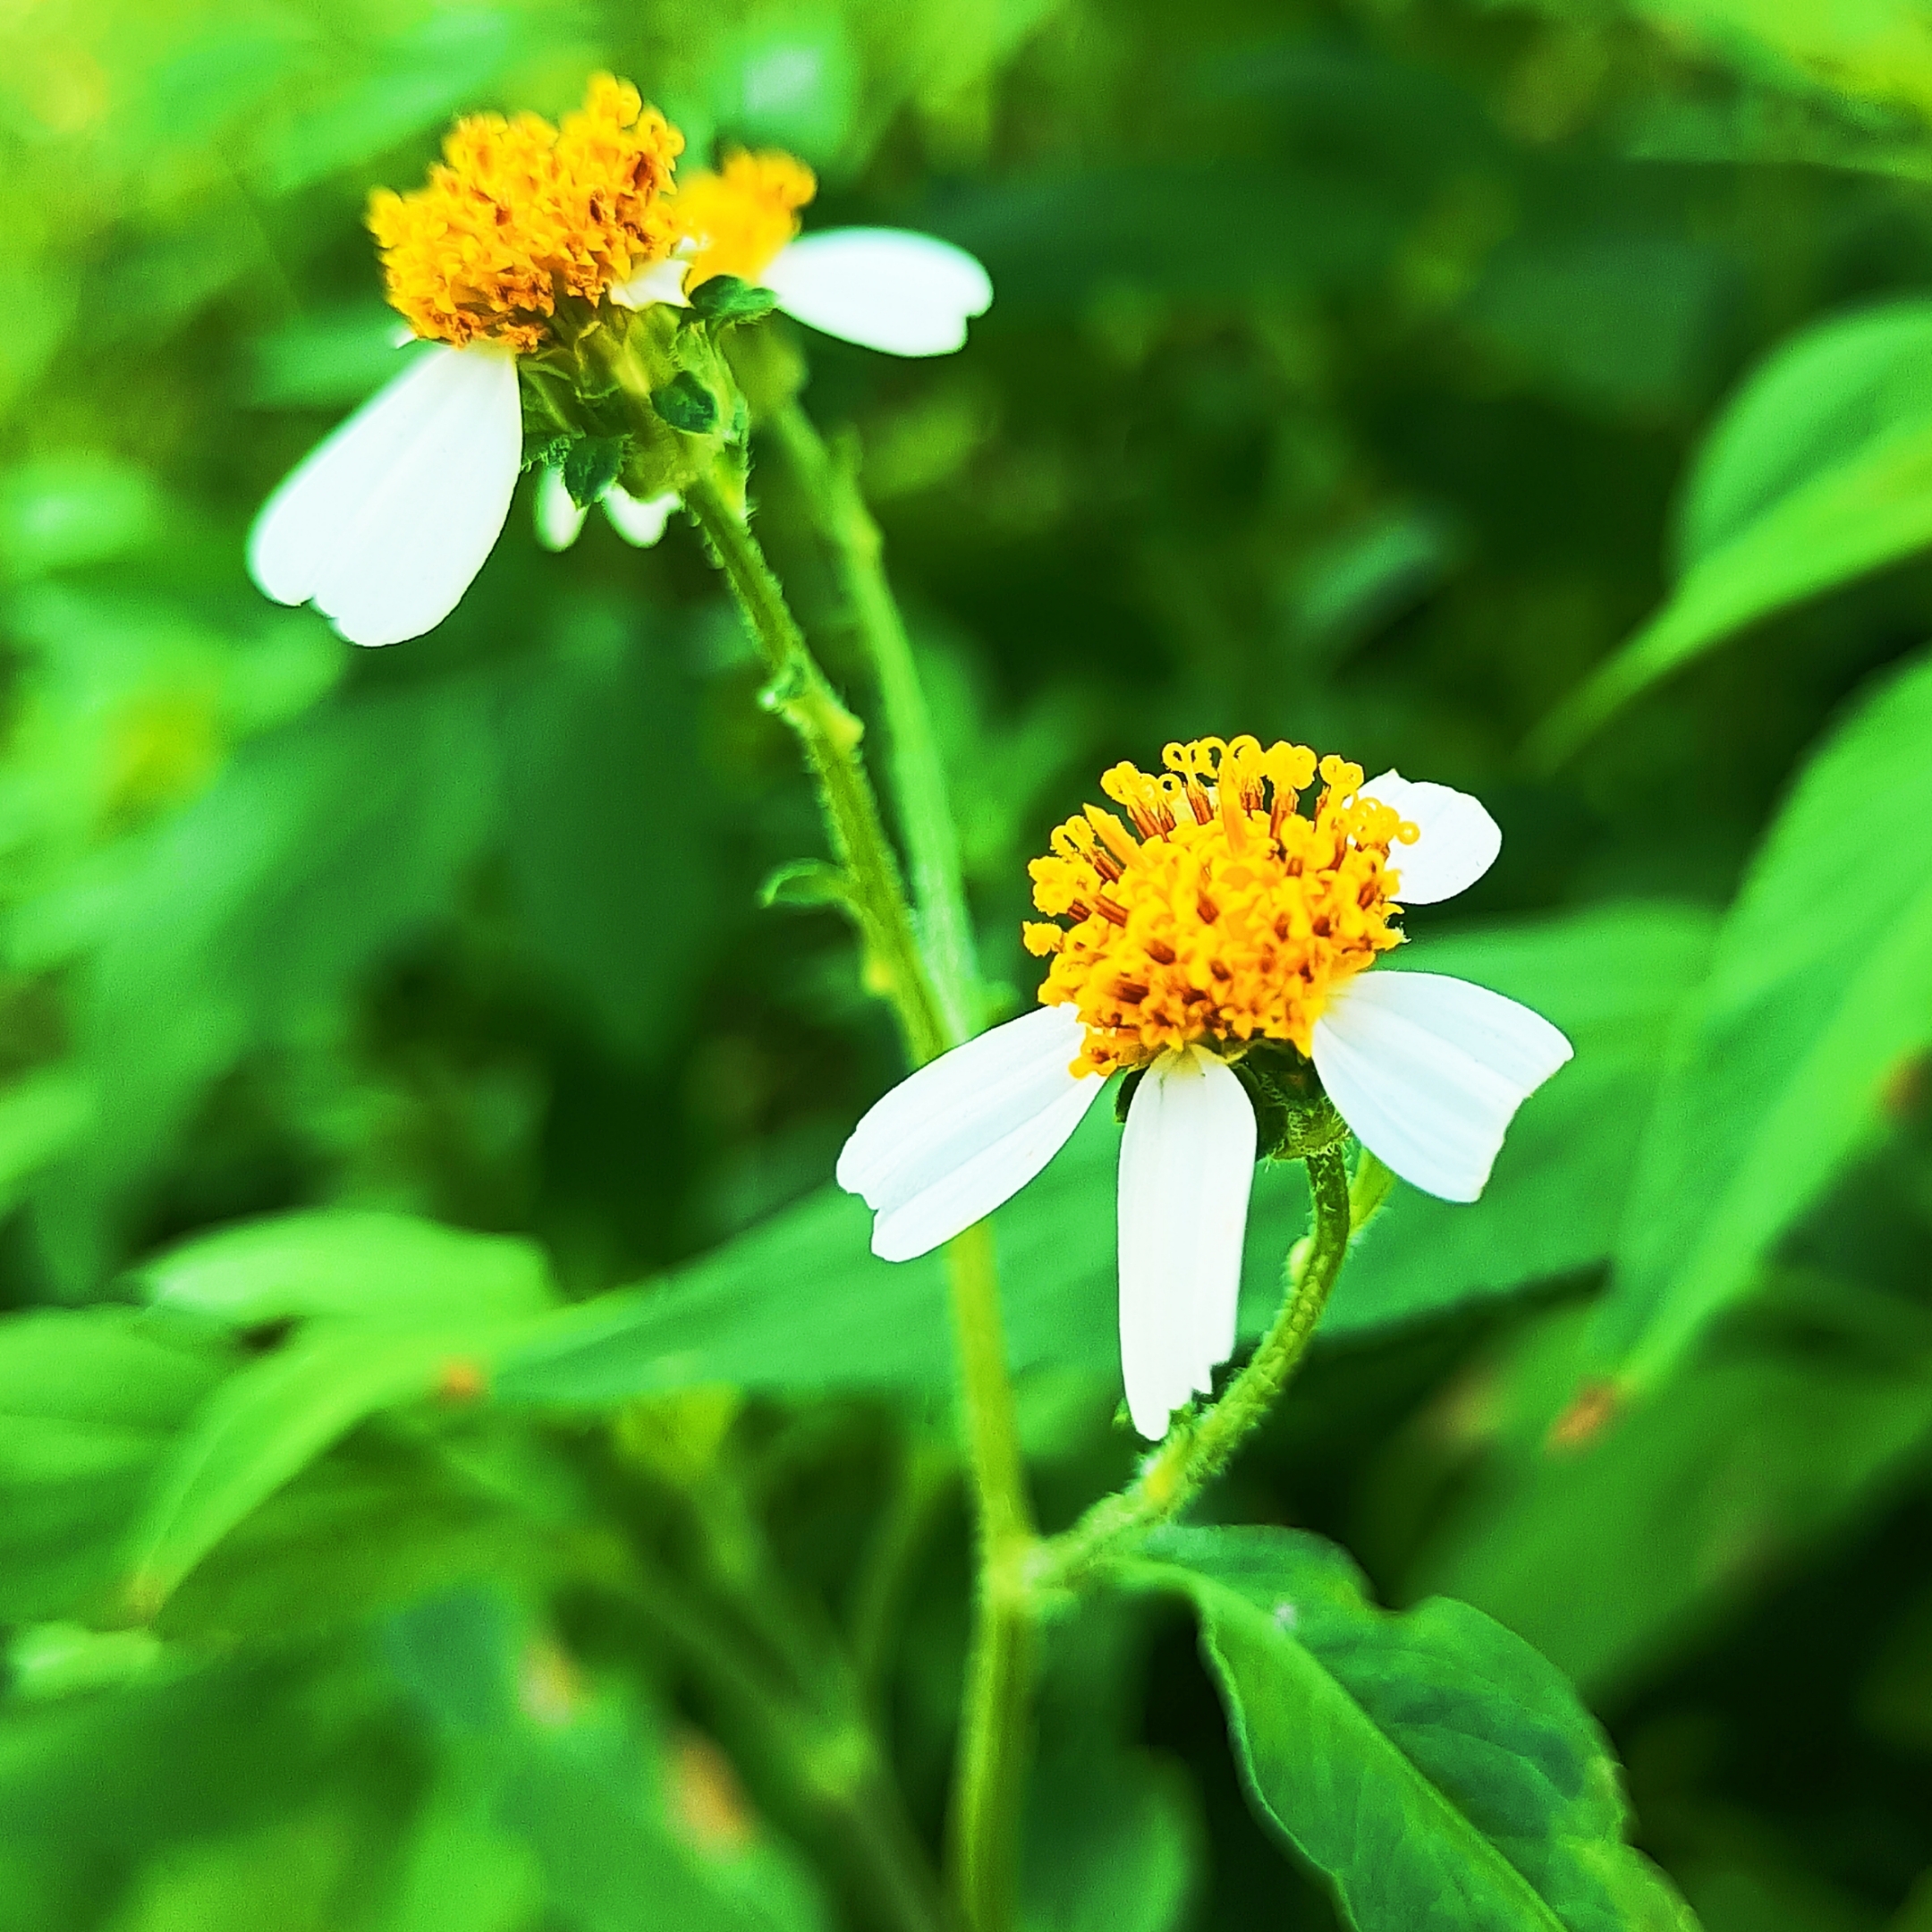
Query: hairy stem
point(1194, 1453)
point(830, 735)
point(830, 484)
point(987, 1790)
point(985, 1816)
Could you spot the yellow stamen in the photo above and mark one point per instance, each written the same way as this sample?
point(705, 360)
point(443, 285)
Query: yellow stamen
point(518, 214)
point(1235, 917)
point(737, 220)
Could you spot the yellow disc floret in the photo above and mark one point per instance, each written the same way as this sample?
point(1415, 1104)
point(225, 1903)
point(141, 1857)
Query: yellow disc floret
point(1216, 912)
point(518, 214)
point(735, 222)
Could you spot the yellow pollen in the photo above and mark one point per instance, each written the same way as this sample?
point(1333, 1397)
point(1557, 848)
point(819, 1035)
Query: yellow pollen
point(1228, 915)
point(737, 220)
point(518, 214)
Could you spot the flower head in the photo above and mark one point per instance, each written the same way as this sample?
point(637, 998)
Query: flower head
point(519, 215)
point(1217, 925)
point(1216, 913)
point(883, 288)
point(738, 220)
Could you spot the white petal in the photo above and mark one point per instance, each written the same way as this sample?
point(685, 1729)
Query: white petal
point(883, 288)
point(386, 524)
point(662, 281)
point(640, 521)
point(560, 519)
point(1458, 843)
point(1186, 1166)
point(967, 1132)
point(295, 532)
point(1429, 1073)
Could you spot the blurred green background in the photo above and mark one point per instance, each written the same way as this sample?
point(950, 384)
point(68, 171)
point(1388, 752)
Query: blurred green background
point(1368, 373)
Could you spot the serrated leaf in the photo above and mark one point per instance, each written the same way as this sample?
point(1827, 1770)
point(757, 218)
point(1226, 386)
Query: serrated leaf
point(1818, 472)
point(722, 300)
point(1430, 1764)
point(1817, 996)
point(545, 452)
point(590, 466)
point(687, 404)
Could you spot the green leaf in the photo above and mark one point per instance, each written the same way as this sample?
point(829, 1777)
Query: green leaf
point(1617, 1554)
point(89, 1403)
point(590, 466)
point(264, 1425)
point(584, 1792)
point(1112, 1844)
point(808, 882)
point(1819, 472)
point(800, 1304)
point(1820, 401)
point(74, 509)
point(616, 884)
point(42, 1115)
point(1430, 1764)
point(722, 300)
point(337, 1263)
point(687, 403)
point(381, 1522)
point(1817, 997)
point(322, 848)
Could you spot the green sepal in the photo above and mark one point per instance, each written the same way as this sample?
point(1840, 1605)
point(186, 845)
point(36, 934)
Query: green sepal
point(724, 299)
point(1293, 1116)
point(591, 467)
point(1123, 1094)
point(687, 404)
point(546, 453)
point(807, 882)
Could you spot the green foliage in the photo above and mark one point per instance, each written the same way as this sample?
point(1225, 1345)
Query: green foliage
point(1819, 473)
point(723, 298)
point(1414, 1759)
point(460, 1466)
point(1784, 1060)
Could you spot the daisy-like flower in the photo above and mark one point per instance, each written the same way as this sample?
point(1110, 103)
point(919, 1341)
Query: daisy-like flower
point(384, 525)
point(1214, 942)
point(883, 288)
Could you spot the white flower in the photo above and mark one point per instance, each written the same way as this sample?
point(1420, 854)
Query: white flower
point(1425, 1070)
point(882, 288)
point(384, 524)
point(560, 517)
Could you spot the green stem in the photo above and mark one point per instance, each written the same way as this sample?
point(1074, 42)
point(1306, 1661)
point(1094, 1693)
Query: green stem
point(830, 486)
point(989, 1781)
point(830, 736)
point(1194, 1453)
point(923, 1481)
point(984, 1828)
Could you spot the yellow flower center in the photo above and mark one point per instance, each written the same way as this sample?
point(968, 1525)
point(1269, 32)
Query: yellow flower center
point(1223, 914)
point(518, 214)
point(738, 219)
